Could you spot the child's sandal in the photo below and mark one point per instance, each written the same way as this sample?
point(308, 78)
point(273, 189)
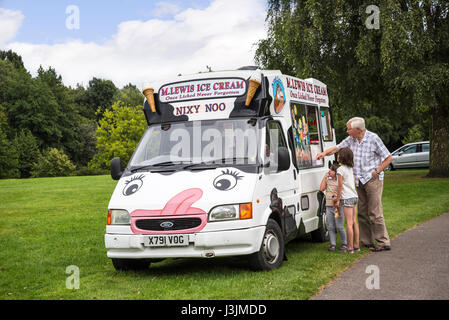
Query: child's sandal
point(331, 248)
point(343, 248)
point(351, 251)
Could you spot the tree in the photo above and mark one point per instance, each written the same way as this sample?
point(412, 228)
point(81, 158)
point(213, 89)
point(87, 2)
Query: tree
point(118, 134)
point(99, 96)
point(85, 143)
point(129, 95)
point(12, 57)
point(30, 104)
point(66, 116)
point(415, 60)
point(8, 158)
point(27, 150)
point(393, 72)
point(8, 153)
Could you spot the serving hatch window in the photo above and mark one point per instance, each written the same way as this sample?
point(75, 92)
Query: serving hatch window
point(326, 124)
point(306, 135)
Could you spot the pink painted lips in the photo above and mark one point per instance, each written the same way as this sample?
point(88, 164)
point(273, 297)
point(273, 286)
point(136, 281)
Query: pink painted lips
point(179, 206)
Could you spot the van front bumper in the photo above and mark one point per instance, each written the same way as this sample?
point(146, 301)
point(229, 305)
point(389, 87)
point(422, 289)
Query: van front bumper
point(202, 244)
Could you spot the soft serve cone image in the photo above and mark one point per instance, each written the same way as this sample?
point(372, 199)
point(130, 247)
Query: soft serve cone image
point(254, 82)
point(149, 94)
point(279, 99)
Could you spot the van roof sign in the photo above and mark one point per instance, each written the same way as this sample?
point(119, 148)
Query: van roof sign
point(202, 89)
point(204, 97)
point(231, 94)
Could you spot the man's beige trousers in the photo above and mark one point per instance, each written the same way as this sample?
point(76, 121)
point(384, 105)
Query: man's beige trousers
point(370, 213)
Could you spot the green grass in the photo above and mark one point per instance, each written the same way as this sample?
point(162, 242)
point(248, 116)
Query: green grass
point(49, 224)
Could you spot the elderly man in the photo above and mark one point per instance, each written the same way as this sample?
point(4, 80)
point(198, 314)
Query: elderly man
point(371, 157)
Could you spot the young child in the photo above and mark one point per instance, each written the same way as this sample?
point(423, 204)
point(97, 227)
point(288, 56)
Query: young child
point(334, 214)
point(347, 196)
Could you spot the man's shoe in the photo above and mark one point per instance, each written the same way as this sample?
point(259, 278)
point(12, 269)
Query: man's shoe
point(380, 248)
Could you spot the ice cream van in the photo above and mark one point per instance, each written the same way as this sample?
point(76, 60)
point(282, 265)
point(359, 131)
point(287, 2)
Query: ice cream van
point(226, 167)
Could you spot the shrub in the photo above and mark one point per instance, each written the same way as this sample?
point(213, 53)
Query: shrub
point(53, 163)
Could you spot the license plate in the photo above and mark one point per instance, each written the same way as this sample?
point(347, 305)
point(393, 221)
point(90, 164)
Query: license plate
point(167, 240)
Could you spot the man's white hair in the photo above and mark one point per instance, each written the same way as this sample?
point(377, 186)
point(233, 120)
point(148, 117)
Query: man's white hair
point(356, 123)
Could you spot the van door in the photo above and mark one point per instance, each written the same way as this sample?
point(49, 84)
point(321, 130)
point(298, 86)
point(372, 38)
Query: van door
point(280, 184)
point(422, 156)
point(407, 157)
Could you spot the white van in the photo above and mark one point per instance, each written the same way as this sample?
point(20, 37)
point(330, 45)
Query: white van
point(225, 168)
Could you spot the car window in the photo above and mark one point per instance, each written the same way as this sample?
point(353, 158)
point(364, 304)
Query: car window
point(411, 149)
point(425, 147)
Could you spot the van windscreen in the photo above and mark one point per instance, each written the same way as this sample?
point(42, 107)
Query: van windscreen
point(207, 141)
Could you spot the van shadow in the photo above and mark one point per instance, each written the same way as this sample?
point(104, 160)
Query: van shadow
point(193, 266)
point(218, 265)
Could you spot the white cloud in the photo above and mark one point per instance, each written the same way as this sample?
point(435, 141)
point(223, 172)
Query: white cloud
point(221, 36)
point(10, 22)
point(166, 8)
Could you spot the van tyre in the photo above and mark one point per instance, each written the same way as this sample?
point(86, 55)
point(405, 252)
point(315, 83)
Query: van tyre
point(131, 264)
point(272, 249)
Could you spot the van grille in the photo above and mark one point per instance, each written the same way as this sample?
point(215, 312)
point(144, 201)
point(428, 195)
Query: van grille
point(168, 224)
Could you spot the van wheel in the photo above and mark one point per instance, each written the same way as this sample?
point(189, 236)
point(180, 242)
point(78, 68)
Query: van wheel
point(322, 233)
point(271, 251)
point(131, 264)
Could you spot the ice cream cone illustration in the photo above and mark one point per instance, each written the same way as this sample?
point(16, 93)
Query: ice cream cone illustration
point(253, 85)
point(149, 94)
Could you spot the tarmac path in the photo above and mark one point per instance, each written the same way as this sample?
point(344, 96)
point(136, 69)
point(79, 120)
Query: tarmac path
point(416, 268)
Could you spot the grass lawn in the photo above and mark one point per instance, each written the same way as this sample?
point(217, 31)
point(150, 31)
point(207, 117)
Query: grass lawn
point(49, 224)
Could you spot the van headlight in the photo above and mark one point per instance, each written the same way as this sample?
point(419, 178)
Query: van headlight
point(231, 212)
point(116, 216)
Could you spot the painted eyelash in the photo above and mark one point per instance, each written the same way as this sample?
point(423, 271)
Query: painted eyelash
point(235, 174)
point(134, 179)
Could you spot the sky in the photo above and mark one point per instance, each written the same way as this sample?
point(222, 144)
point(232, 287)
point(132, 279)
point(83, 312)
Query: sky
point(132, 41)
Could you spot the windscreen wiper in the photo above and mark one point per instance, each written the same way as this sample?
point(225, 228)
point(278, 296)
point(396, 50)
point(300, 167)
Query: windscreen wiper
point(161, 164)
point(201, 166)
point(167, 163)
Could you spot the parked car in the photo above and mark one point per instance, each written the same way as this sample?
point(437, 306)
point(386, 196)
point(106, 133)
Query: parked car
point(412, 155)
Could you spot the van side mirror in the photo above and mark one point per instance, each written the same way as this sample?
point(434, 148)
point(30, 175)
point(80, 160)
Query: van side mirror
point(283, 159)
point(116, 168)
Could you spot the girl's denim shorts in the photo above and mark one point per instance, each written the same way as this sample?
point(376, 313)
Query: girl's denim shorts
point(349, 202)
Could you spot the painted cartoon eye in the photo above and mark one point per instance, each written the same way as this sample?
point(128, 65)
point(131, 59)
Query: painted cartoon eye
point(227, 180)
point(133, 185)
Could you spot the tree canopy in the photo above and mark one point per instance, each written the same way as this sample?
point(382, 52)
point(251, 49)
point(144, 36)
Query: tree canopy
point(398, 73)
point(43, 121)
